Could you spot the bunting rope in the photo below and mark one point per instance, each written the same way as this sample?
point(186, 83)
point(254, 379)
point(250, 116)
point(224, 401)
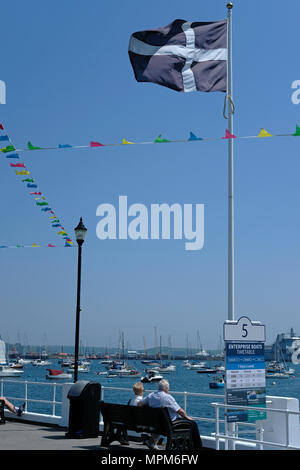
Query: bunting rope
point(94, 144)
point(21, 170)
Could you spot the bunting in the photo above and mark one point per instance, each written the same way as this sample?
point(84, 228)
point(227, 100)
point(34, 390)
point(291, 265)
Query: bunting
point(41, 202)
point(12, 152)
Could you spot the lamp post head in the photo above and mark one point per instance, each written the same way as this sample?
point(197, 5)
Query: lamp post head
point(80, 232)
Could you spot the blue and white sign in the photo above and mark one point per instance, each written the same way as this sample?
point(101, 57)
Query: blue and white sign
point(245, 369)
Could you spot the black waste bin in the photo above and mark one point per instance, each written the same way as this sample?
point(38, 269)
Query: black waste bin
point(84, 411)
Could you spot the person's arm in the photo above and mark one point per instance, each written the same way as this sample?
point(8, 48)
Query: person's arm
point(143, 401)
point(183, 414)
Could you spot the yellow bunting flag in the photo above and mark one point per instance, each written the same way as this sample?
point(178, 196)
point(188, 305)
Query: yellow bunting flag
point(264, 133)
point(22, 172)
point(125, 142)
point(35, 245)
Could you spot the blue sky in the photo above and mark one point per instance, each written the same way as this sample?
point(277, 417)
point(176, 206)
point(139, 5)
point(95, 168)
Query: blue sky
point(69, 80)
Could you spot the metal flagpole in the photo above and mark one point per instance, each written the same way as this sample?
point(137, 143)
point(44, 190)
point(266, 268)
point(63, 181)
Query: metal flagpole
point(229, 99)
point(231, 428)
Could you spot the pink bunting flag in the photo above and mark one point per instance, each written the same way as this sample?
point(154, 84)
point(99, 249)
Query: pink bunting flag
point(1, 126)
point(17, 165)
point(36, 193)
point(96, 144)
point(228, 135)
point(51, 246)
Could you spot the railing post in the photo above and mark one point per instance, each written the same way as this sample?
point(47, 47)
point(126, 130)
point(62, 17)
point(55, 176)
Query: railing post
point(185, 400)
point(287, 428)
point(54, 400)
point(217, 409)
point(26, 395)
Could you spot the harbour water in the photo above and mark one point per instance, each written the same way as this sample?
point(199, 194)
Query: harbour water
point(181, 380)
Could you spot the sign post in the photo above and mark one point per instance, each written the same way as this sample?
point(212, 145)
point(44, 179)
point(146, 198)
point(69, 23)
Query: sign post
point(245, 369)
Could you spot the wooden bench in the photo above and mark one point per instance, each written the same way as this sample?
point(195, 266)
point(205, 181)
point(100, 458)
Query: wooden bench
point(145, 420)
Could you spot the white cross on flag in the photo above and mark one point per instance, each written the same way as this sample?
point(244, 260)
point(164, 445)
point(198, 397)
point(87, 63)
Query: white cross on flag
point(183, 56)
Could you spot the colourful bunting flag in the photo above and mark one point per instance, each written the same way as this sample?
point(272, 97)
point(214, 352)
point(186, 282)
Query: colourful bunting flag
point(125, 142)
point(46, 209)
point(51, 246)
point(36, 193)
point(264, 133)
point(8, 148)
point(17, 165)
point(29, 185)
point(159, 140)
point(13, 155)
point(96, 144)
point(228, 135)
point(29, 180)
point(64, 146)
point(297, 133)
point(31, 147)
point(42, 203)
point(23, 172)
point(194, 137)
point(1, 126)
point(35, 245)
point(3, 138)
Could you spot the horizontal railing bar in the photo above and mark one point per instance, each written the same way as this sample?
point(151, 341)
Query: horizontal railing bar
point(251, 408)
point(241, 439)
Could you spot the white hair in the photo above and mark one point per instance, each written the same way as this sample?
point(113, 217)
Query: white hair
point(163, 384)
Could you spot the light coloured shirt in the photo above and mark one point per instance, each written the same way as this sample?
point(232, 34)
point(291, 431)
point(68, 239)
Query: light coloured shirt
point(134, 401)
point(161, 399)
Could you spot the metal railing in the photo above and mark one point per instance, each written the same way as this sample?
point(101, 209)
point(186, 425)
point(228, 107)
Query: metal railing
point(231, 435)
point(53, 402)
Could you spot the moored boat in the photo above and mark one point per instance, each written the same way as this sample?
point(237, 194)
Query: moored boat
point(152, 376)
point(7, 371)
point(217, 382)
point(58, 374)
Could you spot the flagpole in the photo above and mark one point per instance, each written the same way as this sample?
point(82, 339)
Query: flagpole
point(230, 168)
point(229, 99)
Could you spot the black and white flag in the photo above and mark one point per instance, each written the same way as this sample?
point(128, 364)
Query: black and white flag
point(184, 56)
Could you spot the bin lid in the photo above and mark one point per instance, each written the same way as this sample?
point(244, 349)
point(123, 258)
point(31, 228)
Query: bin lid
point(83, 387)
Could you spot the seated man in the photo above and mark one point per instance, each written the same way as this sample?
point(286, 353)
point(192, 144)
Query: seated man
point(162, 398)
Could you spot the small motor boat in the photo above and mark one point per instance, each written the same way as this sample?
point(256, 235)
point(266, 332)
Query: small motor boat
point(217, 382)
point(58, 374)
point(152, 376)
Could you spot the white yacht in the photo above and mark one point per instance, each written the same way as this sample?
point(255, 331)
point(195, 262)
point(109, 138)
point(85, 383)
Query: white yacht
point(5, 369)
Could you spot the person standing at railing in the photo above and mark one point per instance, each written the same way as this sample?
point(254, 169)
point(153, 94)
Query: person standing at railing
point(16, 410)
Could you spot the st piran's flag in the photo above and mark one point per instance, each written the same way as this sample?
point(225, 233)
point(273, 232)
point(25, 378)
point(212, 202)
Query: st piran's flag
point(184, 56)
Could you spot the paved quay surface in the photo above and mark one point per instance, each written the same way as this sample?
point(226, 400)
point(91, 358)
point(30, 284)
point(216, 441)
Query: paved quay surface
point(18, 435)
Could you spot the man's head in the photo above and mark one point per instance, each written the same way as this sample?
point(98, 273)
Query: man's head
point(138, 388)
point(163, 385)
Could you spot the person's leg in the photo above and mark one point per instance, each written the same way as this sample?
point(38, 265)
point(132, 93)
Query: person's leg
point(196, 436)
point(12, 407)
point(8, 405)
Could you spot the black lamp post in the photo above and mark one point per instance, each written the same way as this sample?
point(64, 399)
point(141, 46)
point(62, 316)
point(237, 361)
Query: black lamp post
point(80, 232)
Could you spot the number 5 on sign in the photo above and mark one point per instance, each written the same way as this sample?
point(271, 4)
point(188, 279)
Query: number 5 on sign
point(244, 330)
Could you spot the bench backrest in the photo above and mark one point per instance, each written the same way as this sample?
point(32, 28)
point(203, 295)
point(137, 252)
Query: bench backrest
point(137, 417)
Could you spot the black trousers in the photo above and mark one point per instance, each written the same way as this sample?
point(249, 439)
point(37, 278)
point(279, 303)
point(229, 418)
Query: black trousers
point(197, 442)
